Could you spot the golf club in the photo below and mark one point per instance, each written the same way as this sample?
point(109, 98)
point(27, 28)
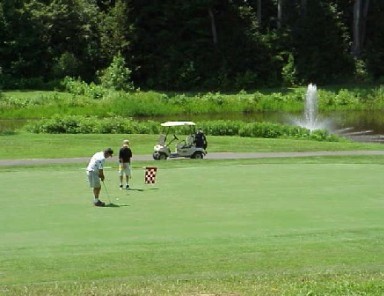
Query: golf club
point(106, 191)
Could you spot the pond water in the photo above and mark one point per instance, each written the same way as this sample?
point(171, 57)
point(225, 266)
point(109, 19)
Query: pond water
point(11, 124)
point(357, 123)
point(353, 121)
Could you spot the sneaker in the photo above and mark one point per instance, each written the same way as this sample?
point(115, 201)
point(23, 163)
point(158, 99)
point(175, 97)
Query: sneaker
point(127, 187)
point(121, 186)
point(99, 203)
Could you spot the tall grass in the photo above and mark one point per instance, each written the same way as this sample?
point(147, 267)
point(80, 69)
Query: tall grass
point(106, 103)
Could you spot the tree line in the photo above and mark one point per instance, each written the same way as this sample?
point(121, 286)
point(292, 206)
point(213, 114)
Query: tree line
point(192, 45)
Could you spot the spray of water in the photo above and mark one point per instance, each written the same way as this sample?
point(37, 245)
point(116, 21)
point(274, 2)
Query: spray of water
point(310, 107)
point(311, 119)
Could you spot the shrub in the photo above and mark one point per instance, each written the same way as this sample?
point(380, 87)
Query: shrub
point(221, 127)
point(288, 72)
point(117, 76)
point(66, 65)
point(120, 125)
point(88, 125)
point(79, 87)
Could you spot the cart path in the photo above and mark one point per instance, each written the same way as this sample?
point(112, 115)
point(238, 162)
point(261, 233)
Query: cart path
point(214, 155)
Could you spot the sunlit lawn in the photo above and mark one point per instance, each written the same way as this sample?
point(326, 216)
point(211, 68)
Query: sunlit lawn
point(205, 228)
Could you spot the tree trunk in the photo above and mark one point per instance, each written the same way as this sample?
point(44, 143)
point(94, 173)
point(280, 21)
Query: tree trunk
point(259, 12)
point(279, 13)
point(303, 8)
point(213, 26)
point(360, 12)
point(356, 28)
point(364, 23)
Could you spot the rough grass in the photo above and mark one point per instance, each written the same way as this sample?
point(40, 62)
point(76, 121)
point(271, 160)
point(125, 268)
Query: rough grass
point(26, 145)
point(104, 103)
point(205, 228)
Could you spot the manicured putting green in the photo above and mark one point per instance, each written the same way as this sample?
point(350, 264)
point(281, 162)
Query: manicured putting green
point(200, 221)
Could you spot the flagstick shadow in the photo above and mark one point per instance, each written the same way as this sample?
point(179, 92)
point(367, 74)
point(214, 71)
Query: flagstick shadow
point(143, 189)
point(112, 205)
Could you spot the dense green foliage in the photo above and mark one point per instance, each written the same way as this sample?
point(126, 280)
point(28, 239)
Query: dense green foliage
point(187, 45)
point(119, 125)
point(85, 99)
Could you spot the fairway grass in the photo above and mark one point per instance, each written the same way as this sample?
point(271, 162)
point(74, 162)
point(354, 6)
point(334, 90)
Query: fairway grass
point(205, 228)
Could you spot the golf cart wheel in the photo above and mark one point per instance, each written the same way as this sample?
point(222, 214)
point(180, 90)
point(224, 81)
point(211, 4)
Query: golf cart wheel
point(162, 156)
point(197, 155)
point(156, 155)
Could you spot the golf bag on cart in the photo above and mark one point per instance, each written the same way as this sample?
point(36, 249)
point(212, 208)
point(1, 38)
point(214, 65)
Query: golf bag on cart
point(201, 140)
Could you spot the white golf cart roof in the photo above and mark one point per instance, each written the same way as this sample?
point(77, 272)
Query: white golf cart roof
point(177, 123)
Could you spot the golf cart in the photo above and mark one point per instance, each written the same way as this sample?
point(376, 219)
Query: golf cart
point(191, 147)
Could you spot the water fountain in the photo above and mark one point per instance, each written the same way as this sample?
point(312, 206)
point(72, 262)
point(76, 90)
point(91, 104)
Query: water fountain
point(311, 120)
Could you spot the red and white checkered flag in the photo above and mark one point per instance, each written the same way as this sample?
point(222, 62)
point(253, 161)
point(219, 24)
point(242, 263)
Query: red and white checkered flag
point(150, 175)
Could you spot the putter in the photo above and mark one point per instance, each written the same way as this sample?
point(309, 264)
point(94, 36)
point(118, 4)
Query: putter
point(106, 191)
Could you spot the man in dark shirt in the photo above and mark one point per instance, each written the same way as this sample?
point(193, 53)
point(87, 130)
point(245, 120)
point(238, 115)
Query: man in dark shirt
point(125, 155)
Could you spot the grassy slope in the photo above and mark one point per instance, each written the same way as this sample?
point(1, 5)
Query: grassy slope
point(213, 227)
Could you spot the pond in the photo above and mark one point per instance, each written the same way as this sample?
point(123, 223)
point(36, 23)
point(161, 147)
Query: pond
point(12, 124)
point(342, 122)
point(353, 121)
